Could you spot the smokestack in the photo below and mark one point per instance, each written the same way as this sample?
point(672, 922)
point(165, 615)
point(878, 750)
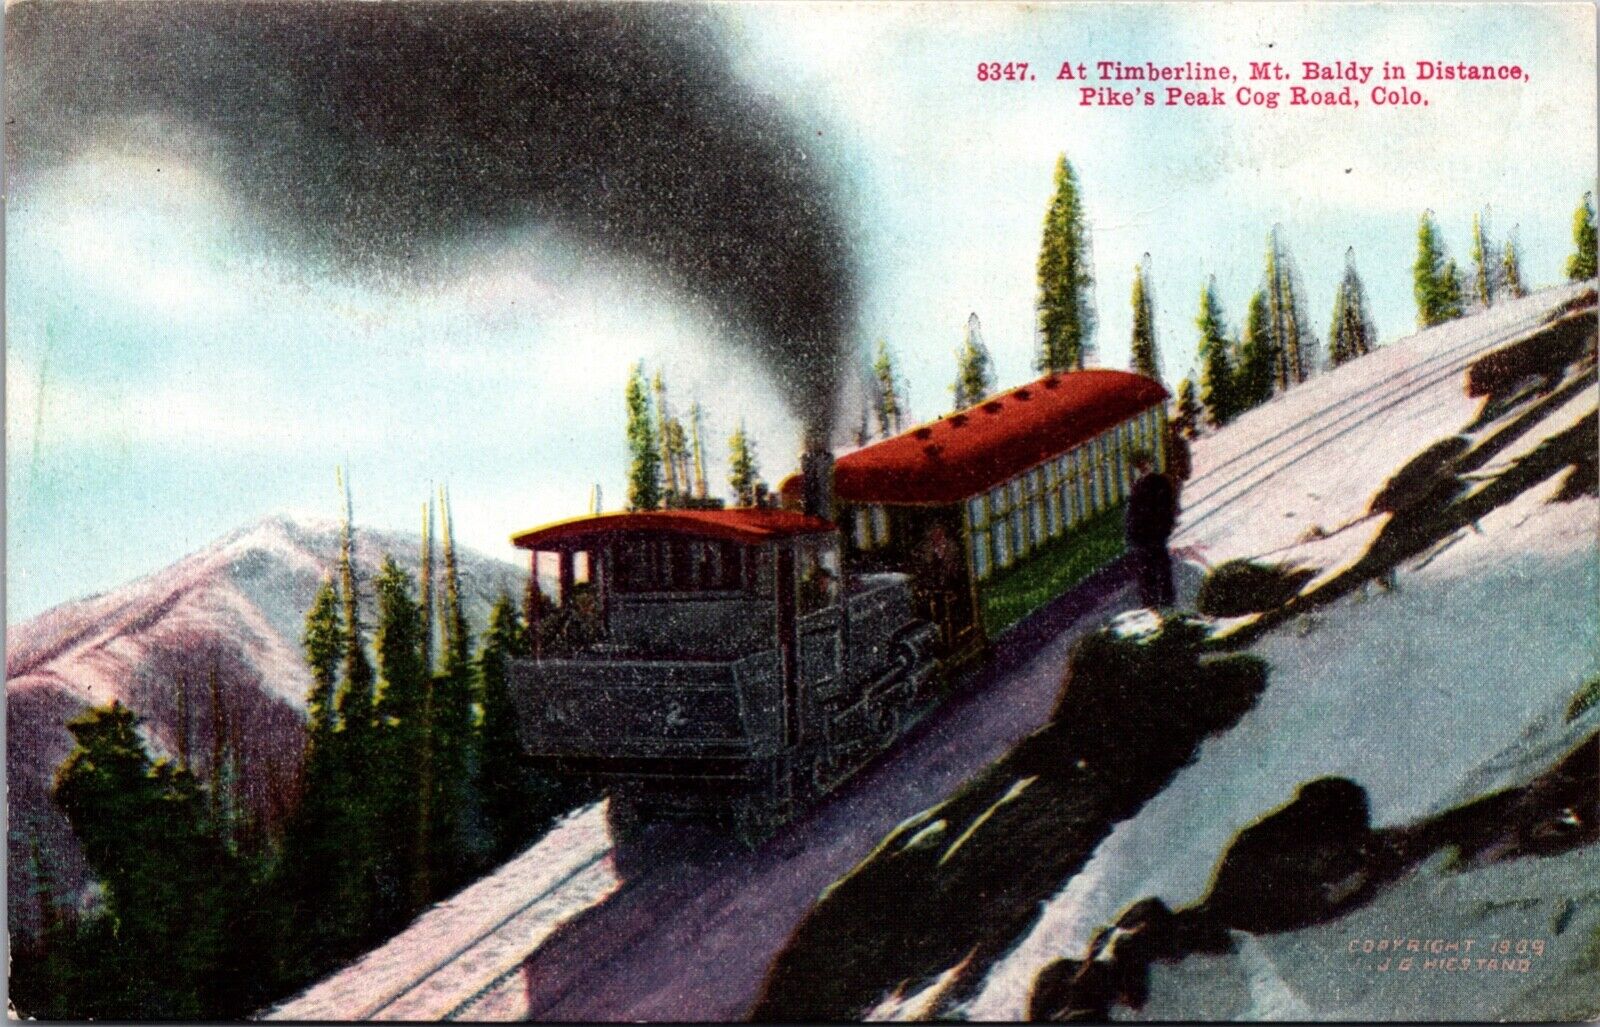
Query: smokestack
point(816, 468)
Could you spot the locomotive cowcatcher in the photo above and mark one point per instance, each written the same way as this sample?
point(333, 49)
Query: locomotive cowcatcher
point(718, 662)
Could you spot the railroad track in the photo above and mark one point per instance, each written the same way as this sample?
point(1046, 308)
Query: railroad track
point(1295, 442)
point(462, 949)
point(501, 946)
point(1476, 342)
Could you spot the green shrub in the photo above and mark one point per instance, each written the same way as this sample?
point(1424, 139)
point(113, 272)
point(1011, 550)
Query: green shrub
point(1240, 587)
point(1584, 698)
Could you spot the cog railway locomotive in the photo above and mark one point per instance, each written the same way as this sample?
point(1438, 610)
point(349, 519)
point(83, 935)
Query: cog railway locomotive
point(744, 662)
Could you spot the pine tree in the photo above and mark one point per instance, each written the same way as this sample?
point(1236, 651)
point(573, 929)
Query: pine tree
point(1511, 267)
point(1581, 265)
point(644, 470)
point(425, 586)
point(173, 890)
point(182, 727)
point(743, 474)
point(1188, 408)
point(696, 418)
point(404, 742)
point(1352, 333)
point(311, 874)
point(420, 882)
point(504, 783)
point(324, 649)
point(455, 841)
point(1066, 278)
point(890, 407)
point(399, 644)
point(1216, 373)
point(675, 445)
point(225, 785)
point(974, 370)
point(1145, 356)
point(1256, 356)
point(1293, 352)
point(1484, 265)
point(355, 752)
point(517, 801)
point(1452, 287)
point(355, 694)
point(457, 639)
point(669, 467)
point(1433, 277)
point(674, 441)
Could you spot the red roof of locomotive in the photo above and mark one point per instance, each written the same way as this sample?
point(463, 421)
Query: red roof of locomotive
point(738, 525)
point(972, 451)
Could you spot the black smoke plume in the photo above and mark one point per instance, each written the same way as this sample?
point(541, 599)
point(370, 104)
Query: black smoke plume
point(374, 136)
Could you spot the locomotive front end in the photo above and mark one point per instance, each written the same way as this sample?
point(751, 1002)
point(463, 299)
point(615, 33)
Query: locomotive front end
point(714, 662)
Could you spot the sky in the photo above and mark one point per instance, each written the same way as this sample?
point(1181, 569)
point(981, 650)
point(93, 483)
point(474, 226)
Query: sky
point(174, 370)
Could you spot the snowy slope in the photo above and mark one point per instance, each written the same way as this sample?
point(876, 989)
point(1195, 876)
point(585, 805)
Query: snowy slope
point(1452, 686)
point(1315, 456)
point(235, 609)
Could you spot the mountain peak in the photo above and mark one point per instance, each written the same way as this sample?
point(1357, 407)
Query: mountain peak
point(235, 608)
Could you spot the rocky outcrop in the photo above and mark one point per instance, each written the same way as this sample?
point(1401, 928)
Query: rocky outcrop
point(1311, 861)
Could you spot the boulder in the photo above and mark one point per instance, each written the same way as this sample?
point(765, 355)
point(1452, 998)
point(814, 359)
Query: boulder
point(1298, 865)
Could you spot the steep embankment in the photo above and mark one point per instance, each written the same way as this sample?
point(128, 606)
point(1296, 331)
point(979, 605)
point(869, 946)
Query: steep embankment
point(215, 635)
point(1446, 620)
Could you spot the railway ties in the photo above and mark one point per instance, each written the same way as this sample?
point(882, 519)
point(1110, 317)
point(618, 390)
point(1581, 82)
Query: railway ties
point(461, 954)
point(1311, 433)
point(1456, 354)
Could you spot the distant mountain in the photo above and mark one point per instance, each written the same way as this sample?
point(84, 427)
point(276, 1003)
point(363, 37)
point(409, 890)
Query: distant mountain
point(226, 620)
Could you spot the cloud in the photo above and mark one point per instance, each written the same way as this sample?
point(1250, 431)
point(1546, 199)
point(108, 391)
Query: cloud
point(56, 415)
point(140, 229)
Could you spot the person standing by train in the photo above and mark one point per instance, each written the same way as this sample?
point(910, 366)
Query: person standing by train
point(1152, 509)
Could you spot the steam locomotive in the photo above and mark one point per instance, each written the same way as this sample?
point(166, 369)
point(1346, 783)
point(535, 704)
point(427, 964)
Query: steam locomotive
point(741, 663)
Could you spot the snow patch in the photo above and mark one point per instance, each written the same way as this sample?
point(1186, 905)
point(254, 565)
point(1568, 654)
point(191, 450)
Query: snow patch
point(1137, 625)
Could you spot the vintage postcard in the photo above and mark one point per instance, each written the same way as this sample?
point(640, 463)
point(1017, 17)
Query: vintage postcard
point(802, 511)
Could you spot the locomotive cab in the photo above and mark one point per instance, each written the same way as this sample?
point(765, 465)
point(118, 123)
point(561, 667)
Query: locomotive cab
point(715, 661)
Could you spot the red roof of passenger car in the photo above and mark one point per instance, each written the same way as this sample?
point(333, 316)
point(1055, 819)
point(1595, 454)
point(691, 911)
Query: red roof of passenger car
point(737, 525)
point(972, 451)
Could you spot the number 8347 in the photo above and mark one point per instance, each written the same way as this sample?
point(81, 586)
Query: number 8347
point(1004, 71)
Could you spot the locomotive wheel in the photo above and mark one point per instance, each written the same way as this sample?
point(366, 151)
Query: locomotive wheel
point(886, 724)
point(822, 772)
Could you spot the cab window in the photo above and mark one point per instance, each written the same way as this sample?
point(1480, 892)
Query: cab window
point(677, 565)
point(817, 575)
